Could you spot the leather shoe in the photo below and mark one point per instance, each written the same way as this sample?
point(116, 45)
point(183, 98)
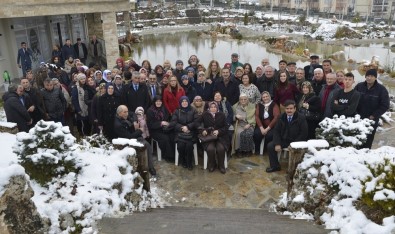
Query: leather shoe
point(152, 171)
point(222, 170)
point(211, 169)
point(190, 168)
point(273, 169)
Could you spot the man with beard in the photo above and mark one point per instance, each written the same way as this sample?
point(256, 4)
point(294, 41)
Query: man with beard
point(229, 89)
point(38, 112)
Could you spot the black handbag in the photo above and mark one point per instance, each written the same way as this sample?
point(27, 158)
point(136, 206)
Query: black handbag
point(185, 136)
point(315, 116)
point(207, 138)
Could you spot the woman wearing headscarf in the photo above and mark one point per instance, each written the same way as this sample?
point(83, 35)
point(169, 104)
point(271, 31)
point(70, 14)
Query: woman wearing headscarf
point(309, 101)
point(80, 108)
point(158, 125)
point(188, 87)
point(185, 121)
point(107, 76)
point(198, 104)
point(267, 113)
point(172, 94)
point(244, 113)
point(108, 104)
point(214, 124)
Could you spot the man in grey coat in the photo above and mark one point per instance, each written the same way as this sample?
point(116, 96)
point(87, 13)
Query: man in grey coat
point(327, 94)
point(54, 102)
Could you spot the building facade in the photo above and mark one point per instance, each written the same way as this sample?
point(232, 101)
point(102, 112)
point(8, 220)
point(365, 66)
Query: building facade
point(44, 23)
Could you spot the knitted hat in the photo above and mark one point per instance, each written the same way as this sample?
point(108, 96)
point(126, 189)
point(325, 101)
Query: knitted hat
point(139, 110)
point(190, 69)
point(81, 76)
point(179, 61)
point(371, 72)
point(184, 77)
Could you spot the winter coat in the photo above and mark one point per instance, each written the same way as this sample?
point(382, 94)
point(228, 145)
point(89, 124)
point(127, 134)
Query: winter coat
point(190, 91)
point(133, 99)
point(170, 100)
point(124, 128)
point(265, 84)
point(328, 105)
point(154, 124)
point(15, 111)
point(374, 101)
point(68, 51)
point(37, 99)
point(182, 118)
point(54, 102)
point(106, 111)
point(285, 133)
point(231, 91)
point(78, 99)
point(211, 124)
point(205, 90)
point(84, 50)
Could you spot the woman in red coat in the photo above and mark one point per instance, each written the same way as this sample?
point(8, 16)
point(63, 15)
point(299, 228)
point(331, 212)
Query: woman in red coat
point(172, 94)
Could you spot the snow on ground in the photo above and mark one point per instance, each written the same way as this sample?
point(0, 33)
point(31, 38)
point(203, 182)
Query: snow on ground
point(347, 168)
point(91, 194)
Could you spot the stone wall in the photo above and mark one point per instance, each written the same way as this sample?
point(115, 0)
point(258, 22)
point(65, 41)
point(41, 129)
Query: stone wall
point(110, 37)
point(28, 8)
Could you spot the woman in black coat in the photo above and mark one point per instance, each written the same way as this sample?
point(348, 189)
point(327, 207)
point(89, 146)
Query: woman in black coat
point(308, 101)
point(106, 110)
point(214, 123)
point(185, 121)
point(158, 125)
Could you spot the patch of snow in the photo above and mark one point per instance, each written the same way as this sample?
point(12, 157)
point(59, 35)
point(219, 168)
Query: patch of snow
point(8, 124)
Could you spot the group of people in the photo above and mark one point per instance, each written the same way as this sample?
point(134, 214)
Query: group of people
point(226, 109)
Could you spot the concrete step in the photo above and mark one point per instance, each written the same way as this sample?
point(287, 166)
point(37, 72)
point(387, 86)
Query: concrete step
point(205, 220)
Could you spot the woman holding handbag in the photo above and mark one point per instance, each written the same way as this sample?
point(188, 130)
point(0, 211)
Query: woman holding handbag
point(244, 113)
point(185, 121)
point(158, 125)
point(214, 131)
point(309, 105)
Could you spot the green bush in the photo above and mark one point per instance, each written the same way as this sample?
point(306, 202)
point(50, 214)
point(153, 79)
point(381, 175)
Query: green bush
point(46, 151)
point(377, 209)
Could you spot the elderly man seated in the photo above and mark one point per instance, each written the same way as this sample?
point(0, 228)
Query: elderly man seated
point(126, 126)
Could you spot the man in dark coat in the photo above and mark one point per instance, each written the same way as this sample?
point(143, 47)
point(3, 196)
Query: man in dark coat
point(15, 109)
point(268, 81)
point(126, 126)
point(290, 127)
point(228, 89)
point(135, 94)
point(68, 50)
point(37, 100)
point(81, 51)
point(54, 102)
point(373, 103)
point(23, 60)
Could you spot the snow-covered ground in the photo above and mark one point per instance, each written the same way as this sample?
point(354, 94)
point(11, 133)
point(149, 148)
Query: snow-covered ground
point(347, 169)
point(90, 194)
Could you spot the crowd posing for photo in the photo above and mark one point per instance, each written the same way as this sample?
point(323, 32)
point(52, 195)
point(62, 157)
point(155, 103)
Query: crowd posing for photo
point(222, 110)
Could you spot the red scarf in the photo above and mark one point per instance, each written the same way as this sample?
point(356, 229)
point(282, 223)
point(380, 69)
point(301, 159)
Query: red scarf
point(326, 95)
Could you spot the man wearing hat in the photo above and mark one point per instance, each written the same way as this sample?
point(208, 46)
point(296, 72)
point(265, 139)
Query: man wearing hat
point(291, 68)
point(374, 102)
point(179, 71)
point(309, 69)
point(235, 63)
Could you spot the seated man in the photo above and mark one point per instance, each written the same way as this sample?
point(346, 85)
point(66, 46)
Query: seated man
point(126, 126)
point(290, 127)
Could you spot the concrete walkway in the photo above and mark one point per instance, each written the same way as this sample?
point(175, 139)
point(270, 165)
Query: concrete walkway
point(205, 220)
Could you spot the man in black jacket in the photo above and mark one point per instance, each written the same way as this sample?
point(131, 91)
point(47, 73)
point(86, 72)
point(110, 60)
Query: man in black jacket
point(309, 69)
point(15, 108)
point(229, 89)
point(135, 94)
point(81, 51)
point(126, 126)
point(374, 102)
point(290, 127)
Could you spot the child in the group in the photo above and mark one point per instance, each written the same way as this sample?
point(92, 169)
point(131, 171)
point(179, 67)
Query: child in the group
point(142, 122)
